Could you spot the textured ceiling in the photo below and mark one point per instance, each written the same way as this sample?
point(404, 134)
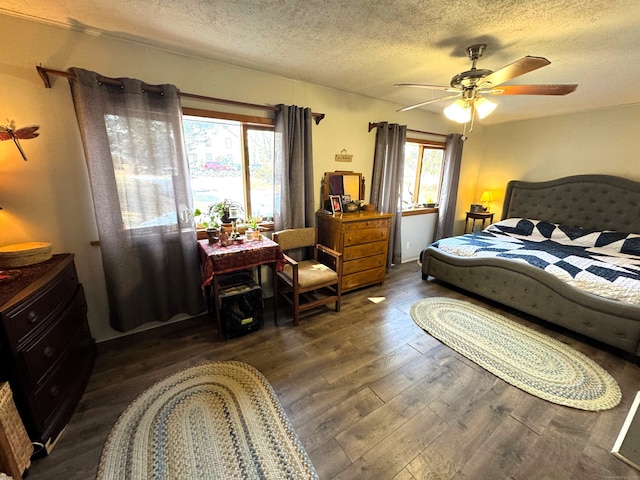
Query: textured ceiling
point(365, 47)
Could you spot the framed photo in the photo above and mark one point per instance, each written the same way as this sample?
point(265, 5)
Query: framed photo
point(336, 203)
point(346, 199)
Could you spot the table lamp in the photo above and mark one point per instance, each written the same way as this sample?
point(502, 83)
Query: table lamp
point(485, 198)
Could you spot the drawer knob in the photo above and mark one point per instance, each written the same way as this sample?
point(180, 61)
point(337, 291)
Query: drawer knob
point(32, 317)
point(55, 390)
point(48, 352)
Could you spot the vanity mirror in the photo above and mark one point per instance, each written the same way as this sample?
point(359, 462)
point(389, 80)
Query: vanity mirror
point(343, 183)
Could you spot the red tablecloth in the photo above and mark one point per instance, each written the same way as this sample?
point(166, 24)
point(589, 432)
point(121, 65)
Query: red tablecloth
point(238, 256)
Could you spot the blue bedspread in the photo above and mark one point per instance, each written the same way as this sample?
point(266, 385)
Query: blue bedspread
point(604, 263)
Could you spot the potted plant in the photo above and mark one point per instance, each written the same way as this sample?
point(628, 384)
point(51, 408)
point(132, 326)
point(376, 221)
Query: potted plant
point(254, 229)
point(208, 221)
point(226, 210)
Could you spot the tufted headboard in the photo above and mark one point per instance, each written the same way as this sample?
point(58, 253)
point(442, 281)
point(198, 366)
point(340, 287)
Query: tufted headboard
point(600, 202)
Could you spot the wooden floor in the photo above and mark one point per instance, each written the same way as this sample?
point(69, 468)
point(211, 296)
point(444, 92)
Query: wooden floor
point(370, 394)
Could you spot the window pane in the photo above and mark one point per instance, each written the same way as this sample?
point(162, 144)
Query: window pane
point(411, 151)
point(430, 176)
point(143, 175)
point(260, 146)
point(427, 191)
point(215, 159)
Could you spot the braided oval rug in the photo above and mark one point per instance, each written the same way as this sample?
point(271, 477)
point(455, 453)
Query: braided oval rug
point(219, 420)
point(534, 362)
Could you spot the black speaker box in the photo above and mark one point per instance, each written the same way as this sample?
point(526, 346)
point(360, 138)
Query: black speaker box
point(241, 305)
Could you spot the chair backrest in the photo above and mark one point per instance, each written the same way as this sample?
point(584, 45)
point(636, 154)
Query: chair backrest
point(295, 238)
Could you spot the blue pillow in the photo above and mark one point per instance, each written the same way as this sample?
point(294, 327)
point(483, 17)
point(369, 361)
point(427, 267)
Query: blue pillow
point(546, 228)
point(631, 246)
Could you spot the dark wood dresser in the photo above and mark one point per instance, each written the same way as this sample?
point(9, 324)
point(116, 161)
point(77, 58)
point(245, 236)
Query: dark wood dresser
point(363, 240)
point(46, 349)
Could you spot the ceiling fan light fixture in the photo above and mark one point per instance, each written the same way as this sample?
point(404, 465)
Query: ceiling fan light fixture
point(484, 107)
point(458, 111)
point(472, 83)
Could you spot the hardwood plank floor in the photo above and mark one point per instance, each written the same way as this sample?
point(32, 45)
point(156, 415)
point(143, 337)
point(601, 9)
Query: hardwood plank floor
point(370, 395)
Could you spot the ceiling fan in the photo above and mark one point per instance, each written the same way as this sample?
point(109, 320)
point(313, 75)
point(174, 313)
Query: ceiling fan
point(470, 86)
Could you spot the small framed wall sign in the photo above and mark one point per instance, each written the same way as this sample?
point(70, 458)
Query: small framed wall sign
point(343, 156)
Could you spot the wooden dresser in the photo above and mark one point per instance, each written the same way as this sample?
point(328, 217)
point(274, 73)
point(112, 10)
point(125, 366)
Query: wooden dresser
point(363, 240)
point(46, 349)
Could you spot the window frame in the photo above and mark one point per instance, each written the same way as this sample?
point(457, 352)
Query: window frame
point(247, 123)
point(422, 145)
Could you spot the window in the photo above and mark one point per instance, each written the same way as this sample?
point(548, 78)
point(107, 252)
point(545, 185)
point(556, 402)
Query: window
point(422, 173)
point(230, 157)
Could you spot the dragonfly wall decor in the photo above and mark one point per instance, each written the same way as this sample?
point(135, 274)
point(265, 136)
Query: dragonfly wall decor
point(9, 132)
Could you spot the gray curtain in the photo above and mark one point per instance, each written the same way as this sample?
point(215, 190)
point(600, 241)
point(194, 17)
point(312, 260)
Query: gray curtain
point(139, 177)
point(294, 181)
point(449, 190)
point(386, 183)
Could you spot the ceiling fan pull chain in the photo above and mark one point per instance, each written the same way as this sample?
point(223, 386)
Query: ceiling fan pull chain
point(473, 115)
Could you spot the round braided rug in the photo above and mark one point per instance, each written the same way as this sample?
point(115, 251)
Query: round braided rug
point(218, 420)
point(538, 364)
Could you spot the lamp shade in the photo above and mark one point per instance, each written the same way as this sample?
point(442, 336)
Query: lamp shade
point(484, 107)
point(458, 111)
point(486, 196)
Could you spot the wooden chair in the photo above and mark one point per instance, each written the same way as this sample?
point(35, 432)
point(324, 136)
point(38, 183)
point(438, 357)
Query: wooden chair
point(306, 284)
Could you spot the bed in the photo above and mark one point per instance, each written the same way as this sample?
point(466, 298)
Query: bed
point(586, 211)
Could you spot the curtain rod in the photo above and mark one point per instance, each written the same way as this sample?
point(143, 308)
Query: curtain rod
point(373, 125)
point(45, 72)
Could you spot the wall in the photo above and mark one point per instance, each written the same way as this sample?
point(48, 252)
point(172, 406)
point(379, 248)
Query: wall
point(48, 198)
point(417, 232)
point(599, 141)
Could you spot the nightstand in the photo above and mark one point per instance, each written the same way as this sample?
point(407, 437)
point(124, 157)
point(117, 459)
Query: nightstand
point(475, 216)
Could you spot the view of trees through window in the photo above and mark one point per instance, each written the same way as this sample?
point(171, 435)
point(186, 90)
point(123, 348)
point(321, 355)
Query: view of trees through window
point(230, 160)
point(422, 174)
point(143, 175)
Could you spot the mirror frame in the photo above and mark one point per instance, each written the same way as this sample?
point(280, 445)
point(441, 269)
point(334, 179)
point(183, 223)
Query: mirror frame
point(326, 185)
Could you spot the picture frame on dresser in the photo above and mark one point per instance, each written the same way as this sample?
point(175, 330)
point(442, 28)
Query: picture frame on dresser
point(336, 203)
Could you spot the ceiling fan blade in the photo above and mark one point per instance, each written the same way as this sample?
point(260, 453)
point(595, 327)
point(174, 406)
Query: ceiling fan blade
point(552, 89)
point(424, 85)
point(519, 67)
point(411, 107)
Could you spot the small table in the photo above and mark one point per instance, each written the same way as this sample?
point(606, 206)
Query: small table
point(217, 260)
point(473, 216)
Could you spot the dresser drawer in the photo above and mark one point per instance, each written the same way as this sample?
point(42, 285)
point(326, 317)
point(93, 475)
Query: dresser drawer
point(367, 277)
point(363, 240)
point(41, 356)
point(362, 264)
point(366, 250)
point(35, 310)
point(364, 224)
point(357, 237)
point(46, 401)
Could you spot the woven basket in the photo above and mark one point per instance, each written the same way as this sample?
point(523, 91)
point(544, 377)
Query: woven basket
point(15, 447)
point(23, 254)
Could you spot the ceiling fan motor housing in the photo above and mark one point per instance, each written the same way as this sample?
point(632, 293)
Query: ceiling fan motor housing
point(470, 78)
